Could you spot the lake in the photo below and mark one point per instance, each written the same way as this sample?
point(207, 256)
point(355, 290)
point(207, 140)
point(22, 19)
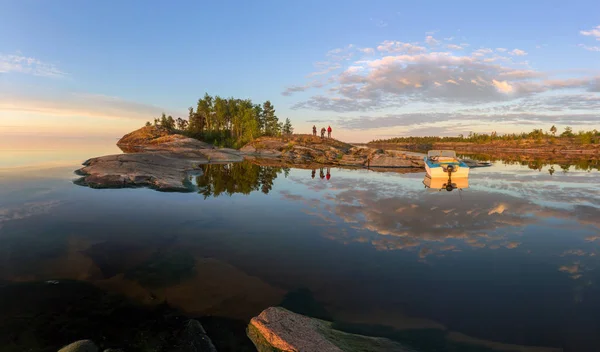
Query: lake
point(511, 259)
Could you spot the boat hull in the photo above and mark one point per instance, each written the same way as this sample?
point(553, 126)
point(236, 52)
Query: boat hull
point(435, 170)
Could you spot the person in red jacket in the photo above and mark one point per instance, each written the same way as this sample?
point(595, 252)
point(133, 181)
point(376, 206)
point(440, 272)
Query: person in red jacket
point(328, 174)
point(329, 132)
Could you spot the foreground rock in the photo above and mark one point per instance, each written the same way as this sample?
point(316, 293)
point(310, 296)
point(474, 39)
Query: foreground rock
point(80, 346)
point(192, 338)
point(277, 329)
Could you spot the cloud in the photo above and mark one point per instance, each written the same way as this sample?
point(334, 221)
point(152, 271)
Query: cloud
point(503, 86)
point(408, 220)
point(378, 22)
point(408, 119)
point(295, 89)
point(589, 48)
point(27, 210)
point(391, 46)
point(518, 52)
point(454, 47)
point(381, 24)
point(337, 104)
point(431, 41)
point(594, 32)
point(396, 80)
point(482, 52)
point(80, 104)
point(341, 54)
point(28, 65)
point(289, 196)
point(325, 70)
point(410, 75)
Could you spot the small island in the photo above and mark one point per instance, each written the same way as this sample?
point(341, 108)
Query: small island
point(161, 155)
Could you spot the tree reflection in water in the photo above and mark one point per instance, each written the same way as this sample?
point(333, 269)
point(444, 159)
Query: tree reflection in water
point(533, 162)
point(244, 177)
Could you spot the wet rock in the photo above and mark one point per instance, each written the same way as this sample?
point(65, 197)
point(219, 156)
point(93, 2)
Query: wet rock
point(80, 346)
point(193, 338)
point(278, 329)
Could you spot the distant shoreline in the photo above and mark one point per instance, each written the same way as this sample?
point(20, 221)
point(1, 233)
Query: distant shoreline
point(496, 148)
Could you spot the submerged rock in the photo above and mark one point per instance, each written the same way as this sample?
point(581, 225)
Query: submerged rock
point(278, 329)
point(80, 346)
point(193, 338)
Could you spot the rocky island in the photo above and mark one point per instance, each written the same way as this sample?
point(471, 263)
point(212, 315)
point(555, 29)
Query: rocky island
point(161, 159)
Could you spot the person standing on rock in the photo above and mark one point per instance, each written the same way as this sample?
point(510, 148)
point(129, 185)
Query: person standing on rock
point(321, 173)
point(329, 132)
point(328, 174)
point(313, 170)
point(322, 132)
point(314, 130)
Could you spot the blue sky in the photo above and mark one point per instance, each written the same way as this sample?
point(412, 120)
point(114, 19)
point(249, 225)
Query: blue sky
point(371, 70)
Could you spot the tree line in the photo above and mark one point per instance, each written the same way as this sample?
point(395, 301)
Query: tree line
point(227, 122)
point(538, 135)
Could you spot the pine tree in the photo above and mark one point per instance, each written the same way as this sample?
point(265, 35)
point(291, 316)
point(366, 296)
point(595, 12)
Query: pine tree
point(271, 121)
point(287, 127)
point(181, 124)
point(205, 110)
point(170, 123)
point(258, 115)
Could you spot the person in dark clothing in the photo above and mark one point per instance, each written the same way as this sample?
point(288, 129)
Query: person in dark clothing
point(314, 130)
point(321, 174)
point(329, 132)
point(323, 132)
point(313, 171)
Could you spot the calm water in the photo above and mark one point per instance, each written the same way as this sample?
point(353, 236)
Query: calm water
point(511, 259)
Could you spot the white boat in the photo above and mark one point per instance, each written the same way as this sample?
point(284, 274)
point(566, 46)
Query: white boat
point(443, 163)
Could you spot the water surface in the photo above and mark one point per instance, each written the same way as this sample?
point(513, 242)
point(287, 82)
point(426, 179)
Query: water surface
point(511, 259)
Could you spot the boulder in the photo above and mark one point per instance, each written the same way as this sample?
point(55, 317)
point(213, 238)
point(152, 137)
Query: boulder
point(162, 166)
point(277, 329)
point(80, 346)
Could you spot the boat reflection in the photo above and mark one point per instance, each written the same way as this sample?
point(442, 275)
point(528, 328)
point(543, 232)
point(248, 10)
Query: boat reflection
point(446, 183)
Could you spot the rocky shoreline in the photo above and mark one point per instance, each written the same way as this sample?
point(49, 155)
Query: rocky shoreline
point(161, 160)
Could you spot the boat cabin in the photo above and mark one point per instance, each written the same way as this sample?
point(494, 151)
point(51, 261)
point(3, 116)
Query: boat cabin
point(441, 155)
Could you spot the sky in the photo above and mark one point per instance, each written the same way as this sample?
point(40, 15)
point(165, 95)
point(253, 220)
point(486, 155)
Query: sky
point(379, 69)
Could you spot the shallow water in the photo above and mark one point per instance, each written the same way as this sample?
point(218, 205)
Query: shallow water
point(511, 259)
